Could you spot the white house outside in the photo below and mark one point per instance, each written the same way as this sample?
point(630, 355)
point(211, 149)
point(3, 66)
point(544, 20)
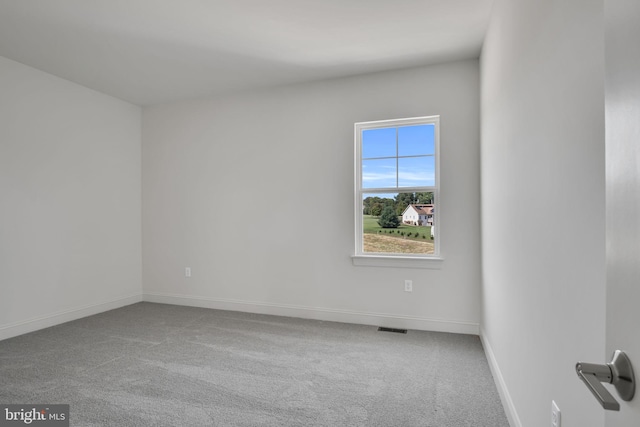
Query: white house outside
point(419, 214)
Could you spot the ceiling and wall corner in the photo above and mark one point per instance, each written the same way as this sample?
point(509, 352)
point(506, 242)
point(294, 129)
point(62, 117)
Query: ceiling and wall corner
point(156, 51)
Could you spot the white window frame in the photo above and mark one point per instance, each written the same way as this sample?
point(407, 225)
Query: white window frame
point(361, 258)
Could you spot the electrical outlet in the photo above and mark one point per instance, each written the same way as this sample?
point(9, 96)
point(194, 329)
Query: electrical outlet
point(555, 414)
point(187, 272)
point(408, 285)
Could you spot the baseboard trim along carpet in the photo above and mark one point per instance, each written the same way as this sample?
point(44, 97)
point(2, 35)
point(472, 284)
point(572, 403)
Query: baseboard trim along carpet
point(318, 313)
point(18, 328)
point(505, 397)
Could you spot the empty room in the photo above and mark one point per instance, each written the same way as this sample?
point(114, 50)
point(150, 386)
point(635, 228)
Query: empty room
point(319, 213)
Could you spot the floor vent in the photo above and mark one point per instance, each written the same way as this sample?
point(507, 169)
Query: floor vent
point(397, 331)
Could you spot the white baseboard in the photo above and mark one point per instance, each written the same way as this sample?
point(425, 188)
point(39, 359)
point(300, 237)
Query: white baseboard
point(317, 313)
point(505, 397)
point(30, 325)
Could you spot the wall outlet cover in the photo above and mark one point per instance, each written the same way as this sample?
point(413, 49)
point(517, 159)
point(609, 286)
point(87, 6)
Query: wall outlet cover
point(555, 414)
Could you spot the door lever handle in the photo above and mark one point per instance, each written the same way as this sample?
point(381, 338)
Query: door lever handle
point(617, 372)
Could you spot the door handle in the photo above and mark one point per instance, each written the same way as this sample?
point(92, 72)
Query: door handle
point(618, 372)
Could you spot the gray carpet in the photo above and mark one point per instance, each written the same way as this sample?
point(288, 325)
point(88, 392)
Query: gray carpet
point(163, 365)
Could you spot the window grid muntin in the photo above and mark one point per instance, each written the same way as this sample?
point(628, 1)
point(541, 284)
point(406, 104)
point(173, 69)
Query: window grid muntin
point(397, 157)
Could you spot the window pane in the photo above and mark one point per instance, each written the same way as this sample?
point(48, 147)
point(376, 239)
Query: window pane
point(378, 143)
point(405, 227)
point(416, 140)
point(416, 171)
point(379, 173)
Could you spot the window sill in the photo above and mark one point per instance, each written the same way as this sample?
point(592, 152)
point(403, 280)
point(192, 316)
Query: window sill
point(434, 263)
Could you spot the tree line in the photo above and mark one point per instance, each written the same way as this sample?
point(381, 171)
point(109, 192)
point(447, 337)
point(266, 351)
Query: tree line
point(375, 205)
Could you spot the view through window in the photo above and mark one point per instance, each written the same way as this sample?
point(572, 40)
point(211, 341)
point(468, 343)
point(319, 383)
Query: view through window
point(397, 187)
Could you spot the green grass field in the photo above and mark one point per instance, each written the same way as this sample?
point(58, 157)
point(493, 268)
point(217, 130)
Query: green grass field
point(370, 226)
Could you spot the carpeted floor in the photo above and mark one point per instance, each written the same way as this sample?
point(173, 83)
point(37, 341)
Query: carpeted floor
point(162, 365)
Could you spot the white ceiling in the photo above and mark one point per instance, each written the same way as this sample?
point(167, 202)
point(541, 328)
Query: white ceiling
point(154, 51)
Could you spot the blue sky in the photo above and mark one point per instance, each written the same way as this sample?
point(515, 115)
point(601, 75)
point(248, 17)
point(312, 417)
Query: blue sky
point(382, 169)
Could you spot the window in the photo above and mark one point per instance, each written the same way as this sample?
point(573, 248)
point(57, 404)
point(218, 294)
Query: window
point(396, 188)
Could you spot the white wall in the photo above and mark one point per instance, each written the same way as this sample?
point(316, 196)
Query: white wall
point(542, 160)
point(212, 167)
point(70, 200)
